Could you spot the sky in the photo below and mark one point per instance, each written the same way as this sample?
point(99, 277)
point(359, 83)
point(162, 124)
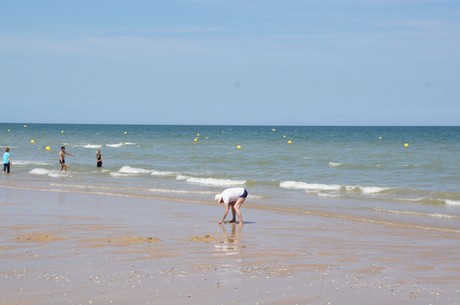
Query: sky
point(230, 62)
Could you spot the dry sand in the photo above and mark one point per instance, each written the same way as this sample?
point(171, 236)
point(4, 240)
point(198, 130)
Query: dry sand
point(73, 248)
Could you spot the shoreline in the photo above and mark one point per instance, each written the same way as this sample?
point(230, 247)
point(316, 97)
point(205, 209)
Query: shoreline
point(259, 203)
point(83, 248)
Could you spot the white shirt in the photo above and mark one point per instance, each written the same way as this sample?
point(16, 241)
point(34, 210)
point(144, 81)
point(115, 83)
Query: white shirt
point(232, 194)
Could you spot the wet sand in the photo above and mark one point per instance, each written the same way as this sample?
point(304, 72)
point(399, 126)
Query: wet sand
point(76, 248)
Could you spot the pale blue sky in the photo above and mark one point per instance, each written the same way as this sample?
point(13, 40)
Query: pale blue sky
point(290, 62)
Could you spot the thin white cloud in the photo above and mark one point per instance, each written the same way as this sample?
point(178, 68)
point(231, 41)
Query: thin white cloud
point(116, 47)
point(185, 30)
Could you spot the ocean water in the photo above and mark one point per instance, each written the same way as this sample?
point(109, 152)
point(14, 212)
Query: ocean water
point(361, 172)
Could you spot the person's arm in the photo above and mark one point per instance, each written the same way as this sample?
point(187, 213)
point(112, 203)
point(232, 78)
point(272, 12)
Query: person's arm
point(69, 154)
point(227, 206)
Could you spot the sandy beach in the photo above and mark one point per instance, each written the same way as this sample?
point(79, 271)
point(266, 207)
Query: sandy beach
point(60, 247)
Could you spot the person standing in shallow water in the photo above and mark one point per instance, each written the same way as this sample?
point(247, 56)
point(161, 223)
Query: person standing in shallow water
point(6, 161)
point(98, 158)
point(62, 154)
point(232, 198)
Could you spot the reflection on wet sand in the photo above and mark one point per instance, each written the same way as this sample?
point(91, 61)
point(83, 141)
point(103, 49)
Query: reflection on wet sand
point(230, 244)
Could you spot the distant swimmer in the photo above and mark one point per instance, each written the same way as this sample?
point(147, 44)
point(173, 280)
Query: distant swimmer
point(6, 161)
point(234, 198)
point(62, 154)
point(98, 158)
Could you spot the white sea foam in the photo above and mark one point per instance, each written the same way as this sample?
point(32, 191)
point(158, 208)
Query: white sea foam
point(117, 174)
point(133, 170)
point(120, 144)
point(335, 164)
point(161, 173)
point(452, 202)
point(412, 199)
point(328, 195)
point(317, 187)
point(170, 191)
point(115, 145)
point(92, 146)
point(127, 171)
point(211, 181)
point(410, 165)
point(373, 189)
point(39, 171)
point(46, 172)
point(309, 186)
point(23, 162)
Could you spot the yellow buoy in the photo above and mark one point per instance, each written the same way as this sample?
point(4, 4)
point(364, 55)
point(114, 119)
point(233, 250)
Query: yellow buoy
point(289, 142)
point(62, 131)
point(406, 145)
point(125, 132)
point(238, 146)
point(32, 141)
point(195, 140)
point(47, 148)
point(197, 134)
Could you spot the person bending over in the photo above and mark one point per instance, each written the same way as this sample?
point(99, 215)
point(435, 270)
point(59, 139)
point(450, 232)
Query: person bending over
point(232, 198)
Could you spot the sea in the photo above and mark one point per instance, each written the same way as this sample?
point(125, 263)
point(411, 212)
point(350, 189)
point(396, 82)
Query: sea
point(409, 176)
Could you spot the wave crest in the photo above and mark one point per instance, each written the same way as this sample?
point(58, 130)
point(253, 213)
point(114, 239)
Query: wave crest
point(46, 172)
point(317, 187)
point(309, 186)
point(23, 162)
point(211, 181)
point(120, 144)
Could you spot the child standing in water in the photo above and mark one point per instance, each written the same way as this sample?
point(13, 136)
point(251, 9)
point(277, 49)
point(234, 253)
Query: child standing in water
point(6, 161)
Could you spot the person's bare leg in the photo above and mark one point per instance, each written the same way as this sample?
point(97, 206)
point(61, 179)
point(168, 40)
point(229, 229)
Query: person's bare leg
point(237, 207)
point(233, 214)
